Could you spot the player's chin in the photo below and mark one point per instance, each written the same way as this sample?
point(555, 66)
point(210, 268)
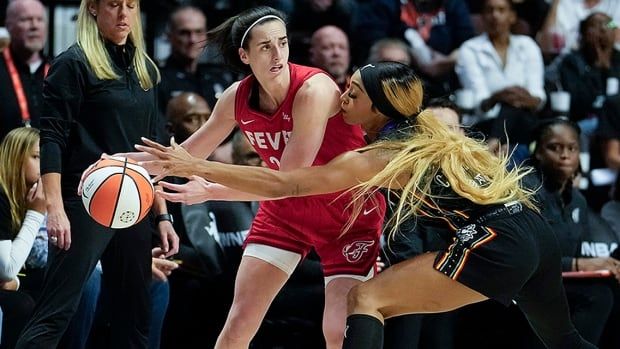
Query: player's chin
point(348, 119)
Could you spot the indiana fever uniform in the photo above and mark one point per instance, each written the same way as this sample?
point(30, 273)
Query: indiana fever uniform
point(298, 224)
point(505, 252)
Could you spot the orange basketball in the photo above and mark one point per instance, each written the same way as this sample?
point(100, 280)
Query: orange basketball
point(117, 193)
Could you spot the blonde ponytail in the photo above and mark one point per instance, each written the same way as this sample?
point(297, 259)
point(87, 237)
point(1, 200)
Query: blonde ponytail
point(472, 171)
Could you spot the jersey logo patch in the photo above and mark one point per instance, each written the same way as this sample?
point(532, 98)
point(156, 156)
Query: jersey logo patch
point(246, 122)
point(354, 251)
point(466, 233)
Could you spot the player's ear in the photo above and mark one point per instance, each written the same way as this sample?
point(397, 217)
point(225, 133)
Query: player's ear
point(243, 55)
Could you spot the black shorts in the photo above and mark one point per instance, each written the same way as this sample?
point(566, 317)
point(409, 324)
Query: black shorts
point(498, 257)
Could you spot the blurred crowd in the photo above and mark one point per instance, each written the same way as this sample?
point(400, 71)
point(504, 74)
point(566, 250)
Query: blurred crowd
point(539, 79)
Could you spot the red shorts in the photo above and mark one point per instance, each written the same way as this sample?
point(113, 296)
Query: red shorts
point(299, 224)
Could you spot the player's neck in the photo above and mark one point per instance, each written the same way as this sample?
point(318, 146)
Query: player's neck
point(374, 127)
point(274, 91)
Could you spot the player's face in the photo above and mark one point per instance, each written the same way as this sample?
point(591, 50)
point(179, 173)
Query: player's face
point(31, 165)
point(559, 153)
point(115, 18)
point(267, 52)
point(355, 103)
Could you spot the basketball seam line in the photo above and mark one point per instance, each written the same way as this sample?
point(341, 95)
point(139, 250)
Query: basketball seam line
point(120, 188)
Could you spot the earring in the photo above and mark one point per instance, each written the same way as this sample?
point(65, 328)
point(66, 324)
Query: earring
point(94, 14)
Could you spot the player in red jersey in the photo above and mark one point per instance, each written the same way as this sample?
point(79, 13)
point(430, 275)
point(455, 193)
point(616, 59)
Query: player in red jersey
point(291, 116)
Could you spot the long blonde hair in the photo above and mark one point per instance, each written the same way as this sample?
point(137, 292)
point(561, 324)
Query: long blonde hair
point(92, 43)
point(433, 148)
point(14, 150)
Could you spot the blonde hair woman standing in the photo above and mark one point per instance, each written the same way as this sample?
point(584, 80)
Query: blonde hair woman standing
point(99, 98)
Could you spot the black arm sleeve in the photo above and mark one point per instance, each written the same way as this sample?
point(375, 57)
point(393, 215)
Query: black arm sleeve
point(62, 96)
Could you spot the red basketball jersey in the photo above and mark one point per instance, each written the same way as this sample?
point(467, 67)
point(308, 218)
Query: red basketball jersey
point(268, 134)
point(298, 224)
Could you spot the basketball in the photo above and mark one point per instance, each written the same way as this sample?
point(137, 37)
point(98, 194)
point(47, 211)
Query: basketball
point(117, 193)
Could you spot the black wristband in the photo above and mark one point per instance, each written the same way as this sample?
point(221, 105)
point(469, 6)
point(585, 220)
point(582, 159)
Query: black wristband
point(164, 217)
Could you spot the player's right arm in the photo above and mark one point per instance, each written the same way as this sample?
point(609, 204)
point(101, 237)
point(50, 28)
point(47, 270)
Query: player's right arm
point(210, 135)
point(219, 125)
point(343, 172)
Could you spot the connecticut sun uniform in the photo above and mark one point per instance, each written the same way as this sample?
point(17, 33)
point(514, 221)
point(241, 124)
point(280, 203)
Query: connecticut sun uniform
point(298, 224)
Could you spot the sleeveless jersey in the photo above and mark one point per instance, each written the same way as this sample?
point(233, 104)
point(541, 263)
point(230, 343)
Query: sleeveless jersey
point(268, 134)
point(298, 224)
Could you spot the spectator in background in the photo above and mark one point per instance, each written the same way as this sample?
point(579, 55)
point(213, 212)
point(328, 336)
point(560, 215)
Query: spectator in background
point(185, 114)
point(434, 30)
point(584, 72)
point(556, 159)
point(22, 65)
point(187, 33)
point(211, 235)
point(329, 50)
point(505, 74)
point(560, 31)
point(390, 49)
point(22, 211)
point(531, 15)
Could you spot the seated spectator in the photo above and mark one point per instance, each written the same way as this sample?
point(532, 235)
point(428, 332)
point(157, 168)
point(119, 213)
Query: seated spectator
point(22, 211)
point(584, 72)
point(329, 50)
point(560, 31)
point(389, 49)
point(21, 93)
point(556, 159)
point(530, 13)
point(505, 74)
point(182, 72)
point(434, 30)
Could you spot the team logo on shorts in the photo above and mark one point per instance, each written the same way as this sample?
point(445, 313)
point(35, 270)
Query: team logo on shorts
point(354, 251)
point(466, 233)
